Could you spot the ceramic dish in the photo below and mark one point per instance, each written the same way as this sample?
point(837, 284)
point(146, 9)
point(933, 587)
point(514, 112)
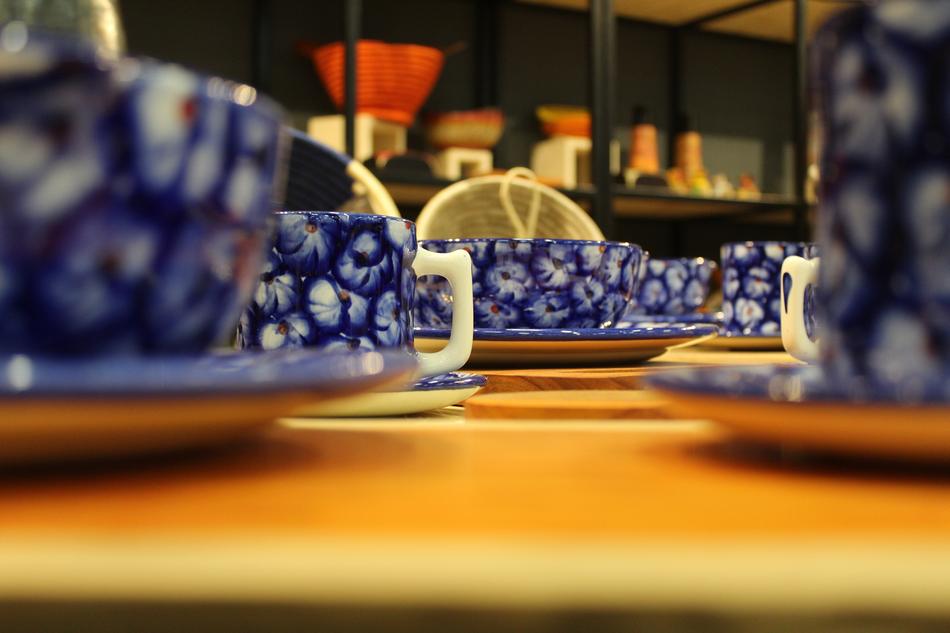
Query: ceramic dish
point(799, 406)
point(476, 129)
point(725, 340)
point(67, 409)
point(427, 394)
point(527, 347)
point(690, 318)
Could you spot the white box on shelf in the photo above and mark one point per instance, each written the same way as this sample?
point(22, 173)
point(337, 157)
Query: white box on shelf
point(566, 159)
point(455, 163)
point(372, 134)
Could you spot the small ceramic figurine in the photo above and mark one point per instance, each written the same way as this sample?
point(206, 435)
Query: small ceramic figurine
point(699, 184)
point(748, 190)
point(722, 188)
point(676, 181)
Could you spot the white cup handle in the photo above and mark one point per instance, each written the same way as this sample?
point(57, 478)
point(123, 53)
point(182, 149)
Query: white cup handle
point(800, 273)
point(456, 267)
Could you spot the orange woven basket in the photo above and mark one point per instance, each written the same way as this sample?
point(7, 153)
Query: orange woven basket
point(392, 80)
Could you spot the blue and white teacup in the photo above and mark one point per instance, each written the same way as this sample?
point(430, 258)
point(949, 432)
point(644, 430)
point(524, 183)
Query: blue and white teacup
point(884, 206)
point(673, 286)
point(752, 287)
point(799, 307)
point(537, 283)
point(134, 200)
point(348, 281)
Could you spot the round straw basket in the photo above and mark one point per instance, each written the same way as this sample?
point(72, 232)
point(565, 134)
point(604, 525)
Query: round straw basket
point(504, 206)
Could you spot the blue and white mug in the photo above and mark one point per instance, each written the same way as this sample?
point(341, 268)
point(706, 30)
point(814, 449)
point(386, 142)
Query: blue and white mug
point(673, 286)
point(799, 309)
point(537, 283)
point(348, 281)
point(135, 198)
point(751, 285)
point(884, 219)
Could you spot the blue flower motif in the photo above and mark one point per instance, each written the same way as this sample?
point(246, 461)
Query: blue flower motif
point(507, 281)
point(277, 292)
point(611, 309)
point(307, 243)
point(400, 235)
point(548, 311)
point(676, 276)
point(610, 272)
point(390, 325)
point(730, 283)
point(516, 250)
point(489, 313)
point(758, 283)
point(334, 308)
point(290, 330)
point(554, 266)
point(91, 282)
point(695, 294)
point(588, 257)
point(362, 265)
point(344, 343)
point(479, 250)
point(586, 297)
point(748, 313)
point(653, 295)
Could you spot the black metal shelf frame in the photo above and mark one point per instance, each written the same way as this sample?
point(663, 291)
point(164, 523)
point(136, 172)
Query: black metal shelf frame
point(601, 97)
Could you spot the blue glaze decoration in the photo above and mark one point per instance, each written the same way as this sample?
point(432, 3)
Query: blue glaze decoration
point(798, 384)
point(451, 380)
point(884, 220)
point(334, 280)
point(646, 333)
point(672, 286)
point(314, 371)
point(537, 283)
point(751, 288)
point(135, 201)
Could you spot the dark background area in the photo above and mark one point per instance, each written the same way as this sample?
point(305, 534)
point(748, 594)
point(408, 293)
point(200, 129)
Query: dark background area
point(737, 90)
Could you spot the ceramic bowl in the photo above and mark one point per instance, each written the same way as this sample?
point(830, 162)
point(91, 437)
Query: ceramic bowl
point(134, 200)
point(673, 286)
point(476, 129)
point(392, 80)
point(536, 283)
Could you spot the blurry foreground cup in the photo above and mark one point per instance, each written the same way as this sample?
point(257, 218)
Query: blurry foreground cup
point(348, 281)
point(884, 203)
point(135, 198)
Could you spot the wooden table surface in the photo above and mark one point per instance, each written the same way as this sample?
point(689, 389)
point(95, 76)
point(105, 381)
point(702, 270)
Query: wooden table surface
point(439, 511)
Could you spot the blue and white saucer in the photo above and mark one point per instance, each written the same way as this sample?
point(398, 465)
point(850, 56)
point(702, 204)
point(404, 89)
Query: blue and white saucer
point(533, 347)
point(798, 405)
point(750, 342)
point(690, 318)
point(426, 394)
point(56, 408)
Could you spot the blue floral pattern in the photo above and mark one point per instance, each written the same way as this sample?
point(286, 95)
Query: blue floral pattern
point(355, 280)
point(883, 296)
point(536, 283)
point(673, 286)
point(751, 288)
point(136, 198)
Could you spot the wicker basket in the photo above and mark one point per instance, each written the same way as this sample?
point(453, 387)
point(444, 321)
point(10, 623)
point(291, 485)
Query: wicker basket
point(512, 205)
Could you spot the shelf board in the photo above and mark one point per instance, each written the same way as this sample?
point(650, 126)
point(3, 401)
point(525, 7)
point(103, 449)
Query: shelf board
point(628, 203)
point(771, 21)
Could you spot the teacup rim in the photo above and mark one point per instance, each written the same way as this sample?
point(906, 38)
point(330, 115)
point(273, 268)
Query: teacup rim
point(767, 242)
point(532, 240)
point(388, 218)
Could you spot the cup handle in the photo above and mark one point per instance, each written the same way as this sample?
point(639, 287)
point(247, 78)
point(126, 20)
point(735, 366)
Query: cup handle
point(797, 274)
point(456, 267)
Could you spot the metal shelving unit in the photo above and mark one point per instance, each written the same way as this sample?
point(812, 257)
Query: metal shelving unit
point(605, 200)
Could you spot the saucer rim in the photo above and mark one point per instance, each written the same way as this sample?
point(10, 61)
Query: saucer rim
point(653, 333)
point(302, 370)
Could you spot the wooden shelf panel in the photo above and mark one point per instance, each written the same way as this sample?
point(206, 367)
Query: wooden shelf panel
point(771, 21)
point(628, 203)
